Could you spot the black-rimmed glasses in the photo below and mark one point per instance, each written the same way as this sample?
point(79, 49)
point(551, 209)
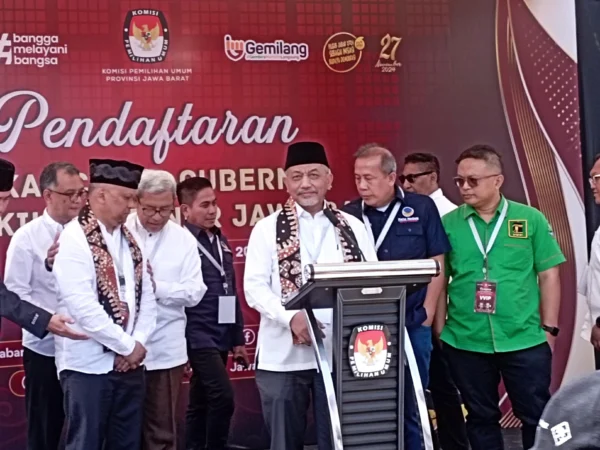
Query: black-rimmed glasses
point(73, 196)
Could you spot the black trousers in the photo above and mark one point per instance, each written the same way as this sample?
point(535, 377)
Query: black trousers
point(43, 402)
point(526, 375)
point(104, 412)
point(211, 404)
point(451, 428)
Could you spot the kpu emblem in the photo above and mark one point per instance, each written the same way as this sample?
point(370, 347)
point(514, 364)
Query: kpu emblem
point(369, 351)
point(146, 36)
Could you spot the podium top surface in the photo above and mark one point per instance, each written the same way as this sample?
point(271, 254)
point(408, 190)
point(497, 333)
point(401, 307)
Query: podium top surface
point(372, 269)
point(323, 280)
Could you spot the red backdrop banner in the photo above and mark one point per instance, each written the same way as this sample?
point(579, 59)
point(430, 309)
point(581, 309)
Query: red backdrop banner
point(220, 87)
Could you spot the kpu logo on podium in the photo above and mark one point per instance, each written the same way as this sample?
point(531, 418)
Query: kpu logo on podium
point(369, 352)
point(146, 36)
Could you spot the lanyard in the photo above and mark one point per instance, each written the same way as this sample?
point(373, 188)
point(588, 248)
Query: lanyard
point(119, 261)
point(317, 251)
point(214, 262)
point(493, 237)
point(386, 227)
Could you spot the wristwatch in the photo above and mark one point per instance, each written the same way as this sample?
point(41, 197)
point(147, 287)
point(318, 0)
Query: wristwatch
point(554, 330)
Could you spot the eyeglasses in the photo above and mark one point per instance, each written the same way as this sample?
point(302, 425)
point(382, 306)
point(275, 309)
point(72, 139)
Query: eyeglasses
point(149, 211)
point(594, 180)
point(471, 181)
point(413, 176)
point(73, 196)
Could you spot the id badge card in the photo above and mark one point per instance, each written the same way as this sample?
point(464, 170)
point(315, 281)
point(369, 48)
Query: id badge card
point(485, 297)
point(226, 309)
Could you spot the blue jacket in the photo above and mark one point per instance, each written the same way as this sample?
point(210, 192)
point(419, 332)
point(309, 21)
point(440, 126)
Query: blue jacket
point(416, 233)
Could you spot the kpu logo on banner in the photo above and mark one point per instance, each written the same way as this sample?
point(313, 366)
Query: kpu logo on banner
point(30, 50)
point(369, 352)
point(272, 51)
point(146, 36)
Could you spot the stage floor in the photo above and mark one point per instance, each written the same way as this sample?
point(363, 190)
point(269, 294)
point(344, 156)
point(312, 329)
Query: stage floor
point(512, 440)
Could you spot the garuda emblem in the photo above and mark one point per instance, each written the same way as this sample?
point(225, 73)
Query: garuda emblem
point(369, 350)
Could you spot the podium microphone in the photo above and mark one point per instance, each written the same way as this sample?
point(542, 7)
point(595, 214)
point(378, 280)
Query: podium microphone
point(336, 223)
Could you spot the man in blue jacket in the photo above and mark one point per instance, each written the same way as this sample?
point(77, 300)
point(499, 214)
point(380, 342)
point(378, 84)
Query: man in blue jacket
point(403, 226)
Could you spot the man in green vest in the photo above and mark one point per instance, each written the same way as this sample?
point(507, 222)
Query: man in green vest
point(501, 317)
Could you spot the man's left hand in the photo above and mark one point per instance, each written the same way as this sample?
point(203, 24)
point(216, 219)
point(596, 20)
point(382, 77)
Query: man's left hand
point(121, 364)
point(240, 353)
point(52, 251)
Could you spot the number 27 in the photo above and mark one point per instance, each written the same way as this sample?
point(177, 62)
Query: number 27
point(386, 41)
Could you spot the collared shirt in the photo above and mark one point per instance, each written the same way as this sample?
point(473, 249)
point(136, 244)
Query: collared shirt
point(525, 246)
point(25, 273)
point(415, 233)
point(444, 205)
point(203, 327)
point(589, 286)
point(75, 276)
point(178, 277)
point(263, 288)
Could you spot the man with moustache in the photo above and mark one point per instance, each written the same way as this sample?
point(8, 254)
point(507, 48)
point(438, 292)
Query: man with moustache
point(177, 274)
point(403, 226)
point(503, 301)
point(279, 247)
point(28, 274)
point(215, 326)
point(421, 174)
point(104, 282)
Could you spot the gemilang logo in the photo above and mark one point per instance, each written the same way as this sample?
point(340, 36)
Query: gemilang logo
point(278, 50)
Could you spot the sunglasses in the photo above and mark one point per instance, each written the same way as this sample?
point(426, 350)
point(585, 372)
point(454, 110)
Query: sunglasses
point(471, 181)
point(411, 178)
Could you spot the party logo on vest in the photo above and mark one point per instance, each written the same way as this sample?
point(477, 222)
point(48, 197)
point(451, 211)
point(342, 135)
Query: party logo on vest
point(146, 36)
point(517, 229)
point(369, 352)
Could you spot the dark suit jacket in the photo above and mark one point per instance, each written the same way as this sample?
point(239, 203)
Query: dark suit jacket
point(28, 316)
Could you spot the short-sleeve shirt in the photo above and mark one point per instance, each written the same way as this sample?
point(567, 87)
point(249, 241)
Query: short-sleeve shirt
point(415, 233)
point(524, 247)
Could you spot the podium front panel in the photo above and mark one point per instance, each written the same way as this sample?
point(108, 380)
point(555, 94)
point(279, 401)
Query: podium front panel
point(370, 403)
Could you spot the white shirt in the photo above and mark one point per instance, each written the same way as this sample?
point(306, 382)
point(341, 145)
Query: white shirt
point(263, 289)
point(177, 273)
point(589, 286)
point(444, 205)
point(25, 273)
point(75, 276)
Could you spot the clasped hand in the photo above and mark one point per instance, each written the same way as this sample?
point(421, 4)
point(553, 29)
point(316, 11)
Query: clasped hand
point(131, 361)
